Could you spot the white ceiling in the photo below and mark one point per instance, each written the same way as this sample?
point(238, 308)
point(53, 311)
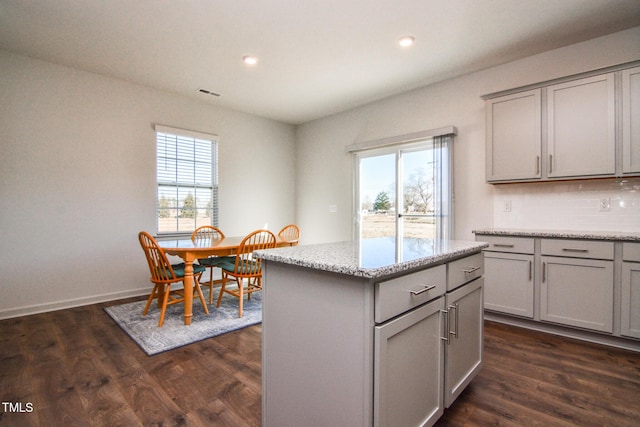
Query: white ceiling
point(316, 57)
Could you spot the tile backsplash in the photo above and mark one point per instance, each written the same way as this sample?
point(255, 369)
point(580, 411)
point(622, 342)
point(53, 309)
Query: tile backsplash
point(590, 205)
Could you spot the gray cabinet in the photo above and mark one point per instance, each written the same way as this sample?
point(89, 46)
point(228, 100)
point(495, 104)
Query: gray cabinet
point(577, 283)
point(514, 137)
point(577, 292)
point(509, 275)
point(409, 366)
point(581, 127)
point(630, 295)
point(463, 338)
point(631, 121)
point(586, 287)
point(426, 357)
point(577, 128)
point(509, 283)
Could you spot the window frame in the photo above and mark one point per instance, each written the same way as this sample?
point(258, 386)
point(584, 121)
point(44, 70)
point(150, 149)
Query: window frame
point(397, 144)
point(165, 134)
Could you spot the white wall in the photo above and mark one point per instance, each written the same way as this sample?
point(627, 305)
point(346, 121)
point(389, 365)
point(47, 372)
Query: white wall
point(77, 180)
point(325, 171)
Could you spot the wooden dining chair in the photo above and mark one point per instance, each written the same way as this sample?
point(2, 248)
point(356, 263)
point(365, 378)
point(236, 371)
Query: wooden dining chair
point(245, 266)
point(164, 274)
point(213, 235)
point(290, 233)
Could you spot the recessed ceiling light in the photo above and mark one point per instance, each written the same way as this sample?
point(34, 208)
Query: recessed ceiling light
point(406, 41)
point(250, 60)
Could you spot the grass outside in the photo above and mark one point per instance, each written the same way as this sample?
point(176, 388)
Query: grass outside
point(385, 226)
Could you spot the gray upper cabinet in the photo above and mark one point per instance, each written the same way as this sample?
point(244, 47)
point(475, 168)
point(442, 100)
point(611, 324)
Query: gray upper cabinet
point(631, 121)
point(514, 134)
point(576, 128)
point(581, 128)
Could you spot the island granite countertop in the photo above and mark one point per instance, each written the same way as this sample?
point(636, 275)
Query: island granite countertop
point(372, 258)
point(560, 234)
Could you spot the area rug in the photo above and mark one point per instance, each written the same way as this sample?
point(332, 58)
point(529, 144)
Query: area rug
point(173, 334)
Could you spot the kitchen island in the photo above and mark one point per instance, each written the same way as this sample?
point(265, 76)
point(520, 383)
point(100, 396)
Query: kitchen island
point(371, 332)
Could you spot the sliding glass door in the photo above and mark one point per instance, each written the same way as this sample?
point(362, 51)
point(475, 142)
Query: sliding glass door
point(405, 191)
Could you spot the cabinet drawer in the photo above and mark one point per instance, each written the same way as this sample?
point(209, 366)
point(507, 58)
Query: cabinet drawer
point(520, 245)
point(464, 270)
point(395, 296)
point(577, 248)
point(631, 251)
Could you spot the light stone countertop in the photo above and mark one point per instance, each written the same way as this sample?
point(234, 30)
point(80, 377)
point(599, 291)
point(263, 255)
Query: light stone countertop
point(560, 234)
point(372, 258)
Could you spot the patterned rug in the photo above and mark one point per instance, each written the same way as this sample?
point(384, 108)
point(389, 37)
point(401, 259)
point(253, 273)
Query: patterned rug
point(173, 334)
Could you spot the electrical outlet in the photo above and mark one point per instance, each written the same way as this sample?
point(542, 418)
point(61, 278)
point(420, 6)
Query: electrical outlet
point(507, 206)
point(605, 205)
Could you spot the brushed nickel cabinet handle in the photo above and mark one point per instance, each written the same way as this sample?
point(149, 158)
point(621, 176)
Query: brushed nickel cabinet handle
point(550, 163)
point(530, 270)
point(537, 165)
point(426, 288)
point(471, 270)
point(445, 338)
point(503, 245)
point(582, 251)
point(454, 307)
point(544, 271)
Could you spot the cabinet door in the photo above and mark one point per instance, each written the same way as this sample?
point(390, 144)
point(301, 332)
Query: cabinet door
point(409, 368)
point(631, 121)
point(581, 127)
point(577, 292)
point(509, 283)
point(463, 348)
point(514, 137)
point(630, 310)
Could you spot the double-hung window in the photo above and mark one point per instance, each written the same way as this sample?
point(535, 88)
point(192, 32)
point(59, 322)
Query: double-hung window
point(187, 180)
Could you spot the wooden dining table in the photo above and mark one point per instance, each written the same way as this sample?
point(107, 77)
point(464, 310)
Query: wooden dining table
point(191, 250)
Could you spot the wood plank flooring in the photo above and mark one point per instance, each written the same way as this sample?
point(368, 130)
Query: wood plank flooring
point(77, 368)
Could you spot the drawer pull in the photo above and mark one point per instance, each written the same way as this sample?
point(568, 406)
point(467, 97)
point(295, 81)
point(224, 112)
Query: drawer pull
point(503, 245)
point(471, 270)
point(582, 251)
point(426, 288)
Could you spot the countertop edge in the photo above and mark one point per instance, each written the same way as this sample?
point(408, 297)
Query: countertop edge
point(378, 272)
point(561, 234)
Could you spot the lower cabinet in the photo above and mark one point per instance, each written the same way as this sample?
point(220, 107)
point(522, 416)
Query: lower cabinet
point(588, 288)
point(418, 355)
point(463, 348)
point(577, 292)
point(409, 362)
point(630, 300)
point(509, 279)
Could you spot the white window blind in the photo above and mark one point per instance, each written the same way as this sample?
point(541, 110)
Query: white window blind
point(187, 165)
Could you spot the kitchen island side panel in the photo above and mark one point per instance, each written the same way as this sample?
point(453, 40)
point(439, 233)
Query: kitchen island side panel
point(317, 366)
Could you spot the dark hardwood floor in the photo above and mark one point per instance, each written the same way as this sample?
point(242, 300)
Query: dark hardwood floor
point(77, 368)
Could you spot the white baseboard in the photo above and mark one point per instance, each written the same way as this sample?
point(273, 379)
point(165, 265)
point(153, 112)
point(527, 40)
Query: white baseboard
point(70, 303)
